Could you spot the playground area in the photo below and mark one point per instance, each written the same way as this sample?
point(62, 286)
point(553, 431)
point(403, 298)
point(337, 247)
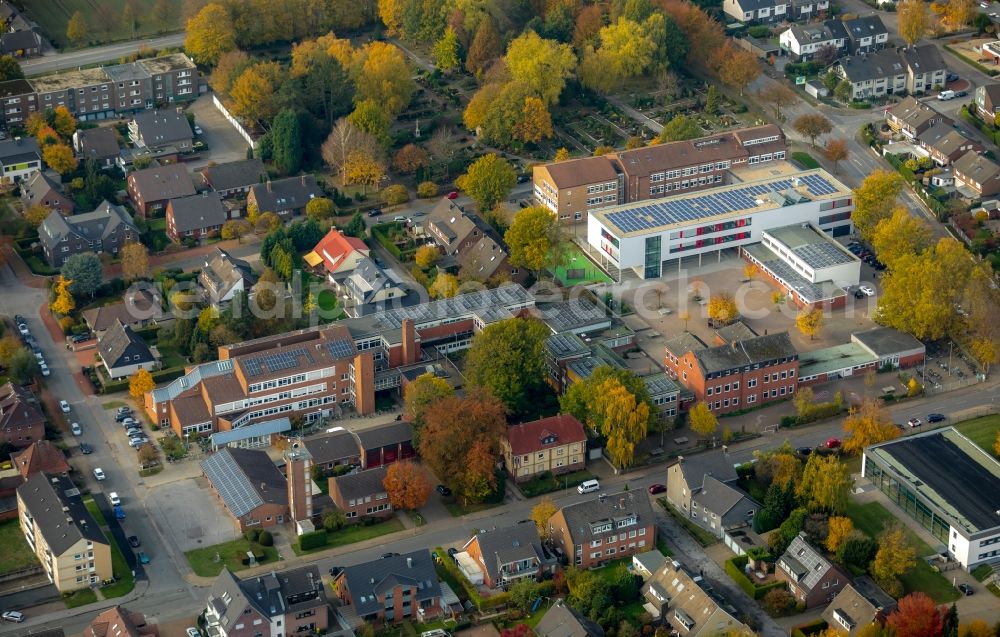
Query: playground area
point(578, 269)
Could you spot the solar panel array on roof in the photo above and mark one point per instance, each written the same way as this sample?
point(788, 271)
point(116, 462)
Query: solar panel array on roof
point(340, 348)
point(231, 483)
point(821, 255)
point(276, 362)
point(672, 211)
point(496, 301)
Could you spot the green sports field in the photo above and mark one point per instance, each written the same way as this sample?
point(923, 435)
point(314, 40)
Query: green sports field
point(578, 269)
point(104, 19)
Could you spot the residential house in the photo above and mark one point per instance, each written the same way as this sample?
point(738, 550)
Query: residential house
point(21, 421)
point(944, 144)
point(561, 620)
point(333, 449)
point(680, 602)
point(234, 177)
point(978, 173)
point(741, 374)
point(454, 229)
point(572, 189)
point(646, 564)
point(556, 445)
point(21, 44)
point(864, 34)
point(758, 10)
point(118, 621)
point(338, 253)
point(123, 352)
point(720, 507)
point(140, 308)
point(59, 529)
point(249, 486)
point(912, 118)
point(160, 129)
point(916, 69)
point(390, 590)
point(19, 157)
point(509, 554)
point(105, 229)
point(361, 494)
point(987, 98)
point(284, 197)
point(151, 188)
point(99, 144)
point(805, 41)
point(369, 288)
point(604, 528)
point(291, 602)
point(196, 216)
point(487, 260)
point(812, 579)
point(19, 101)
point(686, 479)
point(859, 604)
point(385, 444)
point(223, 276)
point(39, 189)
point(40, 456)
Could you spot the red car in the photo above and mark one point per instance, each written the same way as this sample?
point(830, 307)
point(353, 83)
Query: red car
point(656, 488)
point(832, 443)
point(453, 194)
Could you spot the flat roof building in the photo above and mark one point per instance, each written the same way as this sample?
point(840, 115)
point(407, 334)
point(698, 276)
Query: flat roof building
point(648, 236)
point(948, 484)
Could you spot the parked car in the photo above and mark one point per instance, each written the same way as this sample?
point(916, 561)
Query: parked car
point(953, 77)
point(198, 130)
point(143, 558)
point(453, 195)
point(866, 290)
point(804, 451)
point(336, 570)
point(389, 554)
point(192, 632)
point(128, 420)
point(966, 589)
point(961, 93)
point(114, 499)
point(99, 473)
point(946, 95)
point(452, 551)
point(523, 179)
point(86, 449)
point(133, 541)
point(656, 488)
point(19, 319)
point(64, 406)
point(135, 443)
point(832, 443)
point(914, 422)
point(443, 490)
point(374, 212)
point(80, 338)
point(935, 417)
point(119, 513)
point(15, 616)
point(75, 428)
point(44, 369)
point(400, 219)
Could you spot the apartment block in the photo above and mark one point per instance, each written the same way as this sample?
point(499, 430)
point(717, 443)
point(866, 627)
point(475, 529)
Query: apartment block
point(60, 530)
point(573, 188)
point(556, 445)
point(604, 528)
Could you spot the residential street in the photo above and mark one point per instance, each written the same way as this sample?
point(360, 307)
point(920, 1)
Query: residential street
point(110, 53)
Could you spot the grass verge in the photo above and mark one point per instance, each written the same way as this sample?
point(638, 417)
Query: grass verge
point(352, 534)
point(113, 404)
point(230, 554)
point(79, 598)
point(124, 580)
point(458, 510)
point(981, 572)
point(805, 160)
point(547, 483)
point(982, 431)
point(700, 535)
point(16, 554)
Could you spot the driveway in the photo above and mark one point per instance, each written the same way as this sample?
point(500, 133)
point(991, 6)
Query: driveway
point(224, 143)
point(190, 515)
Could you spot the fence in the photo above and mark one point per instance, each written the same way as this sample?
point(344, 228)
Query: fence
point(244, 133)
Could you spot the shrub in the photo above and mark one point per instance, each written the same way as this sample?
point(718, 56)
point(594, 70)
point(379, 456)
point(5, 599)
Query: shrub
point(66, 323)
point(759, 31)
point(265, 539)
point(427, 189)
point(778, 602)
point(252, 535)
point(313, 540)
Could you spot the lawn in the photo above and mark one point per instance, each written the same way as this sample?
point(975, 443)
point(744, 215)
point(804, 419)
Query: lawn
point(354, 533)
point(547, 483)
point(458, 510)
point(119, 567)
point(53, 17)
point(170, 357)
point(578, 269)
point(80, 597)
point(113, 404)
point(805, 159)
point(16, 554)
point(203, 561)
point(871, 518)
point(982, 431)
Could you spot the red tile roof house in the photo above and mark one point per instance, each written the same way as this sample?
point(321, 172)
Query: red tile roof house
point(21, 422)
point(557, 444)
point(390, 590)
point(195, 217)
point(361, 495)
point(41, 456)
point(118, 621)
point(338, 253)
point(250, 486)
point(152, 188)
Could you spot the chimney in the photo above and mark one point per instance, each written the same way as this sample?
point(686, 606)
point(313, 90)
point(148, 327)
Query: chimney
point(409, 562)
point(269, 186)
point(263, 486)
point(302, 180)
point(409, 337)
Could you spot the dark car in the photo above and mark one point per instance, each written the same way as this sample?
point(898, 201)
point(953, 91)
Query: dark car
point(953, 77)
point(374, 213)
point(133, 541)
point(389, 554)
point(961, 93)
point(858, 294)
point(804, 451)
point(966, 589)
point(443, 490)
point(336, 570)
point(452, 551)
point(523, 179)
point(86, 449)
point(656, 488)
point(935, 417)
point(79, 338)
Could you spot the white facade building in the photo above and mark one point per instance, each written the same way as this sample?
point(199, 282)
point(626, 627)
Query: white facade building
point(647, 236)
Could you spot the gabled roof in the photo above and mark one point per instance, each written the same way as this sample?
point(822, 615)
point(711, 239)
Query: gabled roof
point(369, 581)
point(245, 479)
point(367, 279)
point(915, 113)
point(873, 66)
point(536, 435)
point(814, 33)
point(162, 128)
point(944, 139)
point(583, 519)
point(20, 40)
point(392, 433)
point(450, 224)
point(561, 620)
point(859, 604)
point(197, 211)
point(18, 408)
point(118, 621)
point(45, 496)
point(760, 349)
point(140, 305)
point(689, 607)
point(331, 447)
point(695, 467)
point(96, 143)
point(805, 564)
point(223, 271)
point(97, 225)
point(976, 167)
point(285, 194)
point(865, 26)
point(121, 341)
point(361, 483)
point(719, 497)
point(19, 150)
point(483, 259)
point(163, 182)
point(38, 187)
point(924, 58)
point(508, 544)
point(40, 456)
point(234, 174)
point(643, 161)
point(991, 93)
point(583, 171)
point(335, 247)
point(273, 595)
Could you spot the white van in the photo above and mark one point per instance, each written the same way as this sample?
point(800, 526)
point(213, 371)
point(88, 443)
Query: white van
point(946, 95)
point(437, 632)
point(589, 486)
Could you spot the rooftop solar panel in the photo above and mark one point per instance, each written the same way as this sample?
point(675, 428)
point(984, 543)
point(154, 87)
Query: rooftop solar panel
point(232, 484)
point(340, 348)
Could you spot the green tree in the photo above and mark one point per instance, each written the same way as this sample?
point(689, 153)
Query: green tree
point(356, 227)
point(488, 180)
point(626, 50)
point(76, 29)
point(712, 100)
point(544, 66)
point(320, 208)
point(84, 273)
point(22, 366)
point(446, 50)
point(210, 33)
point(702, 420)
point(507, 359)
point(420, 394)
point(583, 398)
point(825, 484)
point(679, 128)
point(531, 238)
point(10, 69)
point(372, 118)
point(286, 142)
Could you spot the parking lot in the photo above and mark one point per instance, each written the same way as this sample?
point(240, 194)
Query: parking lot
point(224, 143)
point(190, 514)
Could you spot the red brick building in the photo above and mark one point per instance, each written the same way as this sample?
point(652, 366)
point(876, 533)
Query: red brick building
point(21, 422)
point(740, 374)
point(390, 590)
point(361, 495)
point(250, 487)
point(604, 528)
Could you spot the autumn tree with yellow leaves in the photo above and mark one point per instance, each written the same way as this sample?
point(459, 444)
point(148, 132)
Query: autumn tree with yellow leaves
point(210, 33)
point(899, 235)
point(423, 392)
point(139, 384)
point(722, 308)
point(895, 556)
point(866, 425)
point(875, 199)
point(912, 19)
point(702, 420)
point(825, 484)
point(135, 261)
point(63, 303)
point(839, 528)
point(810, 321)
point(541, 513)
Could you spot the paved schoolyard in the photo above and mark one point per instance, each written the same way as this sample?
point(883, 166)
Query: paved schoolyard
point(191, 514)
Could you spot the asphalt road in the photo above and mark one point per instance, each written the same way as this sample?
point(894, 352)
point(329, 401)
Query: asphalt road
point(110, 53)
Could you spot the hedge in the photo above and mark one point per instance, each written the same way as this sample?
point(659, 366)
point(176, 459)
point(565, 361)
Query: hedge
point(379, 233)
point(313, 540)
point(160, 376)
point(734, 568)
point(810, 628)
point(973, 63)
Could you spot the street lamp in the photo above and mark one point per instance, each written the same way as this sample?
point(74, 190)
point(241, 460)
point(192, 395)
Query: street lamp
point(187, 441)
